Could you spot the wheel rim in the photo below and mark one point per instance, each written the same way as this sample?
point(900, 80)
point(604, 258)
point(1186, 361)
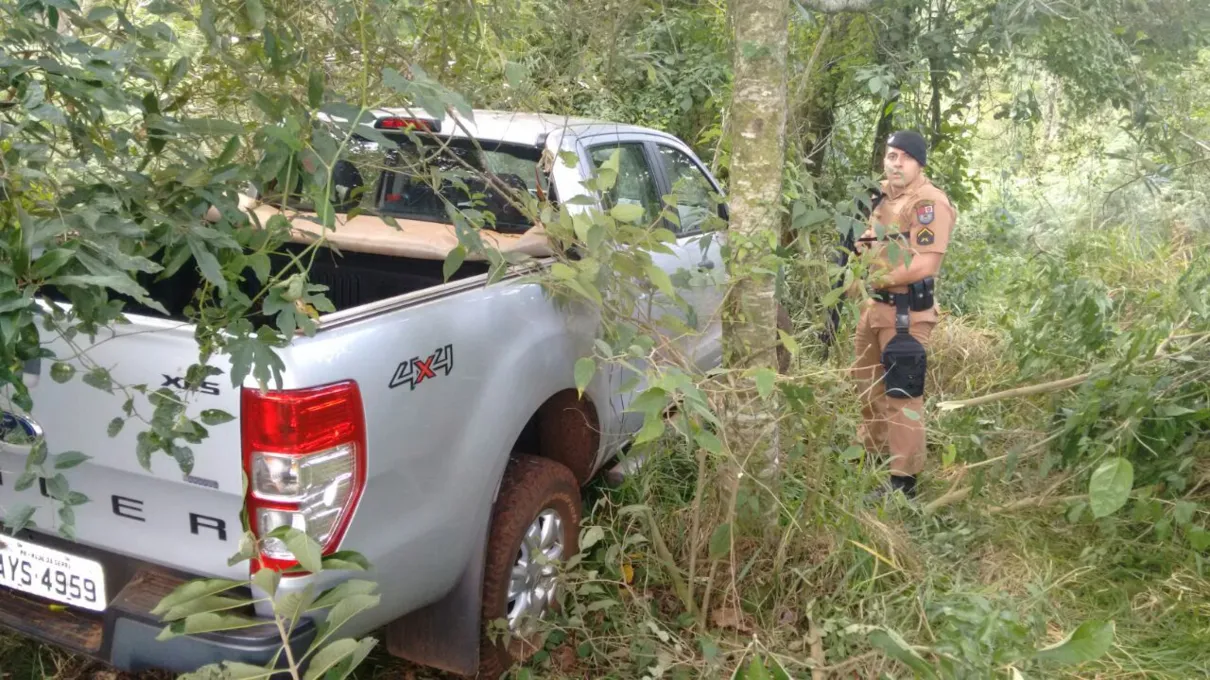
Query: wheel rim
point(532, 587)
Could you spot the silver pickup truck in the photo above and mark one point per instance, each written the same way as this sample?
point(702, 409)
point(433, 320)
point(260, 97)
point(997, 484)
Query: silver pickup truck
point(432, 426)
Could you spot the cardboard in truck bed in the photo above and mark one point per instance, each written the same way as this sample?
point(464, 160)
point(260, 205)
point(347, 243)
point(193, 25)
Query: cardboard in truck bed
point(417, 239)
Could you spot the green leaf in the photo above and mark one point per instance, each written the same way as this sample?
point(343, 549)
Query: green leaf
point(209, 622)
point(214, 416)
point(514, 74)
point(653, 428)
point(852, 453)
point(1199, 538)
point(183, 456)
point(99, 378)
point(661, 280)
point(69, 460)
point(585, 368)
point(61, 372)
point(26, 480)
point(765, 378)
point(52, 261)
point(202, 605)
point(67, 516)
point(627, 212)
point(267, 580)
point(1088, 642)
point(756, 669)
point(910, 414)
point(19, 517)
point(256, 13)
point(193, 590)
point(37, 454)
point(179, 70)
point(1183, 513)
point(1109, 487)
point(261, 266)
point(720, 541)
point(147, 444)
point(1175, 410)
point(788, 342)
point(208, 263)
point(292, 605)
point(58, 487)
point(305, 550)
point(229, 151)
point(895, 646)
point(599, 605)
point(342, 613)
point(708, 441)
point(348, 560)
point(119, 282)
point(234, 670)
point(592, 536)
point(328, 658)
point(315, 87)
point(453, 261)
point(562, 271)
point(247, 545)
point(346, 589)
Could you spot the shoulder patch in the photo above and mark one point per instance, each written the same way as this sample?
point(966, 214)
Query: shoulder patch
point(925, 236)
point(924, 212)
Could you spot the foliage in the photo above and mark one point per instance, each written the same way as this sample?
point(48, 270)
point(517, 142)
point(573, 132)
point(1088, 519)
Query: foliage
point(122, 127)
point(210, 605)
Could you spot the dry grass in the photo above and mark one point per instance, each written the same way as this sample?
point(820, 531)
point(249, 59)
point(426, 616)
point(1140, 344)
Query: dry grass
point(964, 358)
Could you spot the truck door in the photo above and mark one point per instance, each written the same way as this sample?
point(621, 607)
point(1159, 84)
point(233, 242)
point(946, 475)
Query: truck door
point(639, 183)
point(698, 239)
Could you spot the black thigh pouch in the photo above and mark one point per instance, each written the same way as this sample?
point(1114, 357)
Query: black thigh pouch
point(906, 364)
point(904, 359)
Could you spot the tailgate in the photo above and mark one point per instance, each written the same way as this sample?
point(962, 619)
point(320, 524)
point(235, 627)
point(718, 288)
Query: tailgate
point(191, 522)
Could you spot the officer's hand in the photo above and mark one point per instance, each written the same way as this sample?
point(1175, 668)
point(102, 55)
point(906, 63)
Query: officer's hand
point(863, 246)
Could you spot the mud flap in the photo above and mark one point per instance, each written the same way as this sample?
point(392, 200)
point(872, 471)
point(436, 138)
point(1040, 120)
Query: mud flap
point(446, 634)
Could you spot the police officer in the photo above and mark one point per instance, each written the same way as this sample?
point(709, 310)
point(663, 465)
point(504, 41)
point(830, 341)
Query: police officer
point(909, 231)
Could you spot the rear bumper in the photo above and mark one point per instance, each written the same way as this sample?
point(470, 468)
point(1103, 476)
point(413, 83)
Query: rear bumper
point(124, 635)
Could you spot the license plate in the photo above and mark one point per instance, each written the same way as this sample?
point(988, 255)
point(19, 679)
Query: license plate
point(52, 574)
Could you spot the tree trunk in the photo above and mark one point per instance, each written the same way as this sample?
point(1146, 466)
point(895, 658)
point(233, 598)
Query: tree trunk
point(757, 124)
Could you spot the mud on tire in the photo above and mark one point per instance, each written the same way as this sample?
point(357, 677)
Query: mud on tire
point(533, 487)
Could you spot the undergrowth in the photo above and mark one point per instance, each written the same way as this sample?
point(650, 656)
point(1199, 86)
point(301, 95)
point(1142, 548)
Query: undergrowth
point(1012, 547)
point(1007, 552)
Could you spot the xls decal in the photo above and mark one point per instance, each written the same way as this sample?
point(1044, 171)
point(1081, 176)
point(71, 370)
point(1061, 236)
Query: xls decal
point(417, 369)
point(178, 382)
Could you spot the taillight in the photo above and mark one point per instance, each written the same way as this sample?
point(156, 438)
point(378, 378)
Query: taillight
point(305, 459)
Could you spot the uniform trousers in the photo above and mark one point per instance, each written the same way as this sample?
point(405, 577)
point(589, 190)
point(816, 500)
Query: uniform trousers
point(887, 428)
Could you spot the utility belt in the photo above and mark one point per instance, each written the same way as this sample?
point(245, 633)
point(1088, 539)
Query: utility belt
point(904, 358)
point(919, 298)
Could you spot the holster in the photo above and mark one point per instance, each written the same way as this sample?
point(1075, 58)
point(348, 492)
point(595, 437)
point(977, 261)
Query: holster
point(904, 359)
point(919, 297)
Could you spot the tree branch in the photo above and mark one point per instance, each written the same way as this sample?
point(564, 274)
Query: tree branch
point(1016, 392)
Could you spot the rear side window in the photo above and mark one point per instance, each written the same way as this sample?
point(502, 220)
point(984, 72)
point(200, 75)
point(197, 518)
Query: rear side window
point(426, 181)
point(692, 189)
point(427, 178)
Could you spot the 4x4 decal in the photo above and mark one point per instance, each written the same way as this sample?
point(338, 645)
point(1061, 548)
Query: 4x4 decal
point(415, 370)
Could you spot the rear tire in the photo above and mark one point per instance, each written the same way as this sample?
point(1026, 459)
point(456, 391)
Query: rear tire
point(539, 499)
